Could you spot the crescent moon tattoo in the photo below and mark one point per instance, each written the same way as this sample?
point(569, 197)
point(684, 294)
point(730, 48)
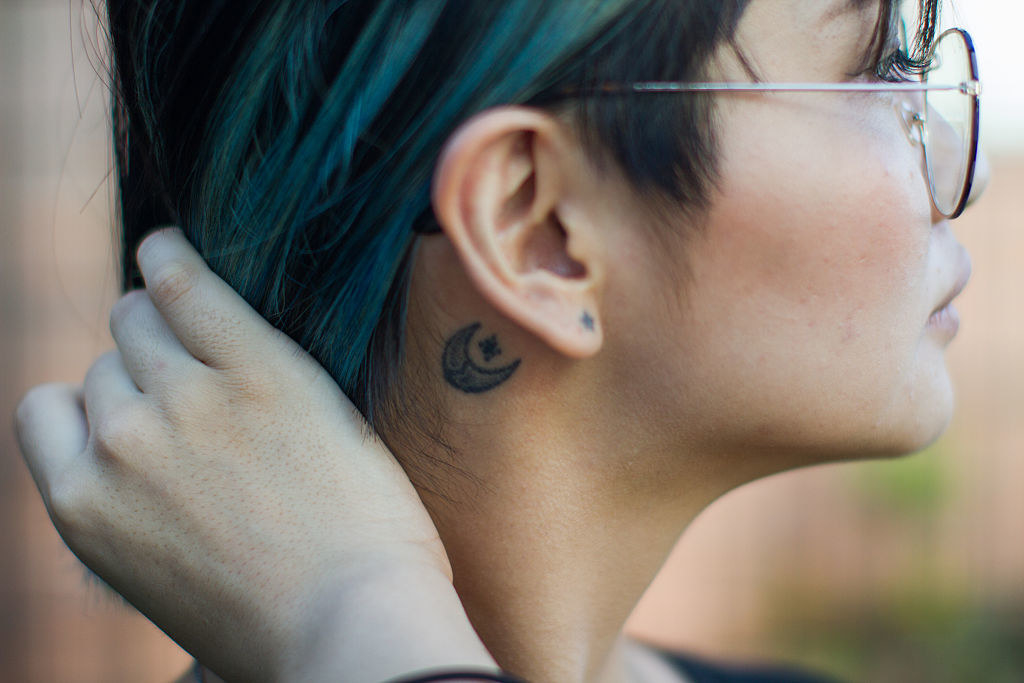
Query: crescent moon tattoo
point(463, 373)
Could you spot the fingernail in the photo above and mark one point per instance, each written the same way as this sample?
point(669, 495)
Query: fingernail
point(151, 241)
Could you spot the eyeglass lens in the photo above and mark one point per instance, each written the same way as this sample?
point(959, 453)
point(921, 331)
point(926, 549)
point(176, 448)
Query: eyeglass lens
point(950, 124)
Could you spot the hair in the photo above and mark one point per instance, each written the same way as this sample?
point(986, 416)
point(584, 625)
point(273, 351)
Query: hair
point(294, 141)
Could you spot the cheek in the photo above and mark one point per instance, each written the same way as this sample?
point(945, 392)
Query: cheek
point(826, 221)
point(811, 275)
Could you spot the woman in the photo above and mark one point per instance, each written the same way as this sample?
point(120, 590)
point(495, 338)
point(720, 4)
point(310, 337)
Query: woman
point(621, 305)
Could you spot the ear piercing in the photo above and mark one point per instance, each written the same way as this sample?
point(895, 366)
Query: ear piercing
point(587, 321)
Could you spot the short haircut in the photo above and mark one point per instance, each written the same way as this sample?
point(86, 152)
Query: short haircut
point(294, 140)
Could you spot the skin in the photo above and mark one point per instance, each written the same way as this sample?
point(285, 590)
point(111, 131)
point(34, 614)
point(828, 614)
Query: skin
point(575, 491)
point(150, 470)
point(787, 327)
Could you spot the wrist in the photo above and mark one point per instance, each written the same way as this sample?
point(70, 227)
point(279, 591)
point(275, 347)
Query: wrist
point(384, 621)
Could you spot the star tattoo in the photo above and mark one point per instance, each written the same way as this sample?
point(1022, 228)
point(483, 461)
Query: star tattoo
point(489, 347)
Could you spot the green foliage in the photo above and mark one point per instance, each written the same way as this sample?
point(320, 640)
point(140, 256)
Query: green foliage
point(914, 636)
point(916, 487)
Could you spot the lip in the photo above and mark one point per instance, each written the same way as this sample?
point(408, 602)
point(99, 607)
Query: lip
point(945, 319)
point(963, 276)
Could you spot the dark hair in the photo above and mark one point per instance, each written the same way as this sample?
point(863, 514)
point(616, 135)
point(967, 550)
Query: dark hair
point(294, 140)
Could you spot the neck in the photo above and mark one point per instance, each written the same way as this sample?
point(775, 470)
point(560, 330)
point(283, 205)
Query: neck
point(573, 496)
point(553, 551)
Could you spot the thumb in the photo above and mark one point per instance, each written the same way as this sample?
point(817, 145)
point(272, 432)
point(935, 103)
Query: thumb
point(212, 321)
point(51, 429)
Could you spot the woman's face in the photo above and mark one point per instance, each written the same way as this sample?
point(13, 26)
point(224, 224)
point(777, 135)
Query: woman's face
point(805, 322)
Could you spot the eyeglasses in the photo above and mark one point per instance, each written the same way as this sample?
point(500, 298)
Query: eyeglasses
point(947, 129)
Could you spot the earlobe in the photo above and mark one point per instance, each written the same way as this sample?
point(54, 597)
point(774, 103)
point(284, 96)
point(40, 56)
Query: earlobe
point(498, 191)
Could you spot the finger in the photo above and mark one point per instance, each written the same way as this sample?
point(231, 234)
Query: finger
point(151, 353)
point(212, 321)
point(51, 429)
point(108, 387)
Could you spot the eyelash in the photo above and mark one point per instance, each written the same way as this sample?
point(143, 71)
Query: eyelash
point(895, 67)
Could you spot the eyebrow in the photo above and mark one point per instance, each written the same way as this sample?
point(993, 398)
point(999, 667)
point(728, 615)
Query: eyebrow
point(880, 31)
point(841, 8)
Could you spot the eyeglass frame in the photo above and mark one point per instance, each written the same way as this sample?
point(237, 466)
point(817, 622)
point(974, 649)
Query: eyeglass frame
point(971, 88)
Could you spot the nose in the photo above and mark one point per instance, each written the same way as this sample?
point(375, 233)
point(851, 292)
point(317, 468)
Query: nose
point(947, 163)
point(982, 174)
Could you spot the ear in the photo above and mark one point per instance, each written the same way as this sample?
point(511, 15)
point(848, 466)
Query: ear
point(506, 192)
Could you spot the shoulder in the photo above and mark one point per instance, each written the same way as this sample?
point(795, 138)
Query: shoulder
point(693, 669)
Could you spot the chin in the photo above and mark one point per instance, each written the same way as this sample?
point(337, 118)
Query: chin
point(906, 428)
point(925, 422)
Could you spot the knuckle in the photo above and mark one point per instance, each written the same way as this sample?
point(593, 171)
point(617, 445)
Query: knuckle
point(173, 281)
point(125, 306)
point(72, 502)
point(36, 403)
point(67, 505)
point(119, 435)
point(105, 361)
point(32, 402)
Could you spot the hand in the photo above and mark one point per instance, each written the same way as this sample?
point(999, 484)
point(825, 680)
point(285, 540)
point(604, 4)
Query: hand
point(215, 475)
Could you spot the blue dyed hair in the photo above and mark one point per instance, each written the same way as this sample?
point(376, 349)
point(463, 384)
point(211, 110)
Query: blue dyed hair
point(294, 141)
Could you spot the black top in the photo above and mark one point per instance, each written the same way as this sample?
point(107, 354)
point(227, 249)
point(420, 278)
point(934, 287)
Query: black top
point(704, 671)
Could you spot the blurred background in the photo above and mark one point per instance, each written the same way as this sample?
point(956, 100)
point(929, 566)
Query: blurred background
point(911, 570)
